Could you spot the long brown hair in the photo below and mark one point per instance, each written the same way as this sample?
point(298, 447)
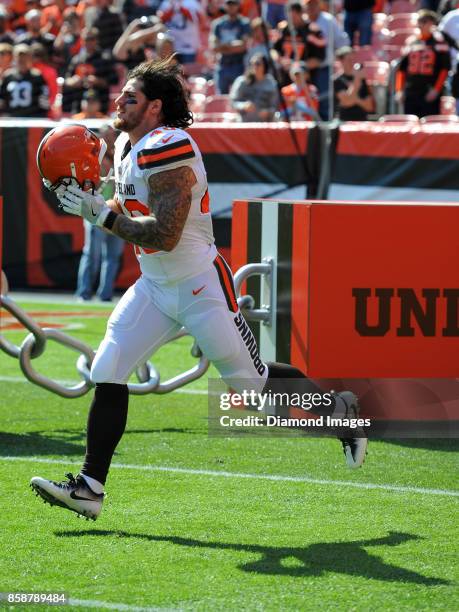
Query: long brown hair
point(163, 80)
point(250, 72)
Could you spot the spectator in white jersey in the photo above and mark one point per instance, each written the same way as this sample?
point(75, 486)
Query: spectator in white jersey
point(182, 18)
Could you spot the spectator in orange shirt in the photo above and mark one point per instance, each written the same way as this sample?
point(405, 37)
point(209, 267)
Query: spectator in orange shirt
point(5, 37)
point(249, 8)
point(17, 9)
point(6, 57)
point(51, 16)
point(301, 97)
point(90, 107)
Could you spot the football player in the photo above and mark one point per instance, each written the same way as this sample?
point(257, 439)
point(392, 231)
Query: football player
point(161, 206)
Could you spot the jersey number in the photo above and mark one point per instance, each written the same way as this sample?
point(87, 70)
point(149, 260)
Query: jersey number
point(137, 209)
point(289, 49)
point(421, 62)
point(21, 94)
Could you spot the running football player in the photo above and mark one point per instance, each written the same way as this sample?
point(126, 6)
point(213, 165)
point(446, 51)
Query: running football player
point(162, 207)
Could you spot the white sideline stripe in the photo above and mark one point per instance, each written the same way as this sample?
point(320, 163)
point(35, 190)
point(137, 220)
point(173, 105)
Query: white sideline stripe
point(269, 477)
point(94, 603)
point(18, 379)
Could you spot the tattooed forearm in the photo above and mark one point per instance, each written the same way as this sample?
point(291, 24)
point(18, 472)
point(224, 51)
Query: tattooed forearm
point(169, 201)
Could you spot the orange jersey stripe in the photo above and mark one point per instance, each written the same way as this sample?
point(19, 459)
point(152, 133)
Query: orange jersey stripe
point(147, 159)
point(228, 283)
point(205, 203)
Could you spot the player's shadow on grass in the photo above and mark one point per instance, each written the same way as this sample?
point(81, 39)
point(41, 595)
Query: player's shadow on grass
point(434, 444)
point(163, 430)
point(36, 443)
point(314, 560)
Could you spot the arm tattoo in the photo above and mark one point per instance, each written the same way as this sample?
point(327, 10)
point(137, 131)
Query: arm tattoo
point(169, 201)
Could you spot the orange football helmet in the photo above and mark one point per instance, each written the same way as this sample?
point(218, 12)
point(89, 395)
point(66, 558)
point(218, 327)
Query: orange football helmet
point(71, 151)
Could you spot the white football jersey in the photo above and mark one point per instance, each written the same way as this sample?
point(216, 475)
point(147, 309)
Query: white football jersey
point(163, 149)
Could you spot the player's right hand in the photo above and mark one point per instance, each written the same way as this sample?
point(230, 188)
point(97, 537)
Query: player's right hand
point(91, 207)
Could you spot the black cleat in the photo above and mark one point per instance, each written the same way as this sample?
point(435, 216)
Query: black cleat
point(355, 448)
point(73, 494)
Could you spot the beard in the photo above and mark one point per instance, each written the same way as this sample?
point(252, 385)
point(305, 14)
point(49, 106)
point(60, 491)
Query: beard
point(127, 124)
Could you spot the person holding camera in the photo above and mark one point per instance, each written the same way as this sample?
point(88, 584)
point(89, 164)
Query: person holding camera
point(137, 40)
point(353, 97)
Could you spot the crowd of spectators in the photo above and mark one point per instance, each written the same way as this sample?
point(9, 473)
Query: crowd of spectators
point(69, 57)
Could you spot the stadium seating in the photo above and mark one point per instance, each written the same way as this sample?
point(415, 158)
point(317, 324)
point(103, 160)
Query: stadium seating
point(401, 21)
point(399, 118)
point(197, 84)
point(219, 103)
point(440, 119)
point(392, 52)
point(226, 117)
point(404, 6)
point(365, 54)
point(398, 38)
point(447, 105)
point(377, 73)
point(193, 69)
point(379, 22)
point(197, 102)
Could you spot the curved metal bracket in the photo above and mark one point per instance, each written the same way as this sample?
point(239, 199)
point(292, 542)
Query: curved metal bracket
point(246, 302)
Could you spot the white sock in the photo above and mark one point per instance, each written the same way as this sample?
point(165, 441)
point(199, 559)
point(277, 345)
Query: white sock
point(94, 484)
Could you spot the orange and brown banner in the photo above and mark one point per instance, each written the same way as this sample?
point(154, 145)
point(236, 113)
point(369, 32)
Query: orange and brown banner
point(42, 245)
point(379, 162)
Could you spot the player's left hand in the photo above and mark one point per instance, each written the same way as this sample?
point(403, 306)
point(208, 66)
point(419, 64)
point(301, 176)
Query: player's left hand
point(91, 207)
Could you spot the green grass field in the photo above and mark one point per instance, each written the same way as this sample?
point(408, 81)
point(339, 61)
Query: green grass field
point(198, 523)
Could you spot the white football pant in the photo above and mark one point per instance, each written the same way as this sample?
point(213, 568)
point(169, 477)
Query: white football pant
point(149, 314)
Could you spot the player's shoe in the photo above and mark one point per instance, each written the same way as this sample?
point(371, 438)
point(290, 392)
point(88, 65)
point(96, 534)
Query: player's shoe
point(355, 448)
point(73, 494)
